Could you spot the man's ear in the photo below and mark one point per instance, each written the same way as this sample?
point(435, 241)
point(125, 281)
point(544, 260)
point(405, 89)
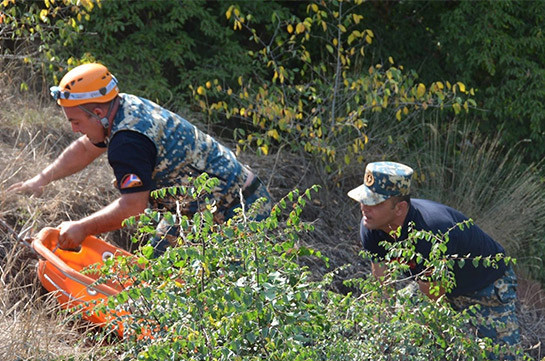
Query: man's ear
point(98, 111)
point(401, 207)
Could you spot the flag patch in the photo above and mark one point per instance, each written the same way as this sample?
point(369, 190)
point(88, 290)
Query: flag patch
point(130, 181)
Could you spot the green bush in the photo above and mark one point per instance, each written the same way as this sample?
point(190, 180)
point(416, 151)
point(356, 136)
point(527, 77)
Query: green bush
point(235, 291)
point(498, 47)
point(316, 99)
point(157, 48)
point(495, 46)
point(34, 34)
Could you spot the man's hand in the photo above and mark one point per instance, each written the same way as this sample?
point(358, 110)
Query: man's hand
point(426, 288)
point(34, 185)
point(71, 235)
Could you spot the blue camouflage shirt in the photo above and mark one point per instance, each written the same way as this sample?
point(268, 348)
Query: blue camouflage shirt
point(435, 217)
point(182, 150)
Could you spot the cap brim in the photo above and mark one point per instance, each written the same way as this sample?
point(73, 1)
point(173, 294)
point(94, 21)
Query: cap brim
point(364, 195)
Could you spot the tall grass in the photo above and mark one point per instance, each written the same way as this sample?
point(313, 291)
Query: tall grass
point(32, 325)
point(489, 184)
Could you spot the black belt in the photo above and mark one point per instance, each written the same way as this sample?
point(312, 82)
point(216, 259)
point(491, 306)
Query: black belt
point(248, 191)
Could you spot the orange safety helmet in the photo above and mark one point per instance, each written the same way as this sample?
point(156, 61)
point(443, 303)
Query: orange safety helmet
point(87, 83)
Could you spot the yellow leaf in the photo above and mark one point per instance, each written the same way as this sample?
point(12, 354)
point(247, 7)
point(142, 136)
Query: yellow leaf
point(342, 28)
point(398, 114)
point(471, 91)
point(265, 149)
point(43, 15)
point(229, 91)
point(290, 28)
point(357, 18)
point(461, 86)
point(457, 108)
point(208, 85)
point(420, 90)
point(273, 133)
point(200, 90)
point(391, 60)
point(240, 80)
point(439, 85)
point(368, 39)
point(300, 28)
point(314, 8)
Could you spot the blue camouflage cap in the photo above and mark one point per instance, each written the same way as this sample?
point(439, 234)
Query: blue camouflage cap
point(381, 181)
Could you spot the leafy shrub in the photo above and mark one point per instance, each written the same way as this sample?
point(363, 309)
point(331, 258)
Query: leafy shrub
point(158, 48)
point(235, 291)
point(315, 99)
point(34, 34)
point(498, 47)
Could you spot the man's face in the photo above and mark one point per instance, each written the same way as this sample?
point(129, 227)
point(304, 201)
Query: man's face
point(84, 123)
point(380, 216)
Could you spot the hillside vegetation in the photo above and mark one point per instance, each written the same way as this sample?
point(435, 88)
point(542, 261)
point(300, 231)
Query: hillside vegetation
point(306, 97)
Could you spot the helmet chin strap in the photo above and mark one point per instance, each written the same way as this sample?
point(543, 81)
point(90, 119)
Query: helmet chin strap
point(105, 122)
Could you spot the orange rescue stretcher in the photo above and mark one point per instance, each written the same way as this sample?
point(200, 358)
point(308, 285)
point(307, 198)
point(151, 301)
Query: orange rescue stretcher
point(59, 271)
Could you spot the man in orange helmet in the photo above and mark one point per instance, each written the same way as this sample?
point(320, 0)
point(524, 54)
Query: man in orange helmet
point(148, 148)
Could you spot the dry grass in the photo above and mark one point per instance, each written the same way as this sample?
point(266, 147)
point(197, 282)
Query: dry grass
point(33, 326)
point(480, 182)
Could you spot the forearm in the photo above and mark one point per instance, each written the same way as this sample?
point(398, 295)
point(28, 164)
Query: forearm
point(112, 216)
point(73, 159)
point(431, 289)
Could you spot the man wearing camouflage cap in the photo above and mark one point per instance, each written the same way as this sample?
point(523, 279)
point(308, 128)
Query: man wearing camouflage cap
point(387, 207)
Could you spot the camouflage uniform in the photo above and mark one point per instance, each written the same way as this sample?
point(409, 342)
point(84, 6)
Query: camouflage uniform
point(184, 151)
point(381, 181)
point(496, 317)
